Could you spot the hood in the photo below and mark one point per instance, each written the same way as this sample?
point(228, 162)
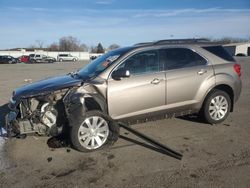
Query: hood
point(47, 85)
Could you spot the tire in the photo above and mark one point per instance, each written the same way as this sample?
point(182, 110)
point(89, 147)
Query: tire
point(60, 60)
point(216, 107)
point(33, 61)
point(85, 139)
point(74, 59)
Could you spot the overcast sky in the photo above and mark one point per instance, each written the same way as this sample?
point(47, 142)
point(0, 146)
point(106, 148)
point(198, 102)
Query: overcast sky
point(124, 22)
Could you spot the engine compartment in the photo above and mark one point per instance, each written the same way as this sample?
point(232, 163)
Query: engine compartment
point(44, 115)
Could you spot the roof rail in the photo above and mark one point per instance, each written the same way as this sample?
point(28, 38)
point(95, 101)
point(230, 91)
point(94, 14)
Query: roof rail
point(143, 43)
point(201, 41)
point(181, 41)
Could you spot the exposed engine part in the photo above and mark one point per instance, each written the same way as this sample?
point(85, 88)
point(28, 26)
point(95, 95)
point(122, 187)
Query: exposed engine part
point(43, 114)
point(33, 104)
point(41, 129)
point(38, 117)
point(25, 127)
point(49, 115)
point(49, 119)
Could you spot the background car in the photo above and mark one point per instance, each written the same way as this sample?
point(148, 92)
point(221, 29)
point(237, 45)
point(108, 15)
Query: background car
point(24, 58)
point(66, 57)
point(40, 58)
point(93, 57)
point(8, 60)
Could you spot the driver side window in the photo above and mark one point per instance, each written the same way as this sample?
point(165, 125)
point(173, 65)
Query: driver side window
point(143, 62)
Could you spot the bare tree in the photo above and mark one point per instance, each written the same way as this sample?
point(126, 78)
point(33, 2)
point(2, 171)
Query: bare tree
point(32, 46)
point(69, 44)
point(53, 47)
point(39, 43)
point(230, 40)
point(84, 47)
point(92, 49)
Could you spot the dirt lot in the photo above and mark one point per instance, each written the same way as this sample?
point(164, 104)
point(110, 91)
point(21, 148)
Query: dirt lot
point(214, 156)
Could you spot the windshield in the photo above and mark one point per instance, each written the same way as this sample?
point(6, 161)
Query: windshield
point(95, 67)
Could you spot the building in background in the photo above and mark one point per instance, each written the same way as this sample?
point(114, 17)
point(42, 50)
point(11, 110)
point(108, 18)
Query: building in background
point(238, 49)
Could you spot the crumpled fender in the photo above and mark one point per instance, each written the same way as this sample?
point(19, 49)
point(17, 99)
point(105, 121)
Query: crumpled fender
point(77, 101)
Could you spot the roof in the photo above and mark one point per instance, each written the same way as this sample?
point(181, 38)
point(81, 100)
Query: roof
point(200, 42)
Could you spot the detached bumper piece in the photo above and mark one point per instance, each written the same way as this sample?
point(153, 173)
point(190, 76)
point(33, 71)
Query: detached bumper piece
point(155, 145)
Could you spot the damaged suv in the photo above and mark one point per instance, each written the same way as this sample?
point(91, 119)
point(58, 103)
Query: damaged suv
point(147, 80)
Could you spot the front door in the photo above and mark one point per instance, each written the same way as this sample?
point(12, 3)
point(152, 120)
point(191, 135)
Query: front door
point(142, 92)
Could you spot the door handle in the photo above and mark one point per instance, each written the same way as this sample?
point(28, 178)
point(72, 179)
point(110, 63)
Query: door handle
point(202, 71)
point(155, 81)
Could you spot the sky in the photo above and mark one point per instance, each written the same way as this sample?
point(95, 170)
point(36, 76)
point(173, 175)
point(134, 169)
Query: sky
point(124, 22)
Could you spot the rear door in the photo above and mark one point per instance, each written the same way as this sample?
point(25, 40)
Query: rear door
point(142, 92)
point(67, 57)
point(186, 73)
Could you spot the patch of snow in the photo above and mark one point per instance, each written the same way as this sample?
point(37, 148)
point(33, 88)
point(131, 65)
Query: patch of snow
point(2, 141)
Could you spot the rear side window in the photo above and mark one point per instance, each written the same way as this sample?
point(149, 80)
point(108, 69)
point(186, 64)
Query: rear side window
point(176, 58)
point(220, 52)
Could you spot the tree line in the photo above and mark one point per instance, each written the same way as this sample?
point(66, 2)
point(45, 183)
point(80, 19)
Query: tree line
point(71, 43)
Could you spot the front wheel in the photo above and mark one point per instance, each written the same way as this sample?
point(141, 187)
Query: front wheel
point(93, 131)
point(216, 107)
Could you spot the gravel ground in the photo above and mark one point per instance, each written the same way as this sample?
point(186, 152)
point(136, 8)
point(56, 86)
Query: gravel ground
point(213, 156)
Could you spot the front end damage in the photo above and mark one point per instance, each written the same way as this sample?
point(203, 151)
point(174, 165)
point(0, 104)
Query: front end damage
point(48, 114)
point(43, 114)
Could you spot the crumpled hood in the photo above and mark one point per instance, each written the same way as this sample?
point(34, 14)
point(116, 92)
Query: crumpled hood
point(46, 86)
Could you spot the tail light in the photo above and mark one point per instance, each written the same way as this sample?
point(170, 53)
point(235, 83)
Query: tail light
point(237, 69)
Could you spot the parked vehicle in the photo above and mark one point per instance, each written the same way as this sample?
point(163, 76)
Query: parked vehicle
point(24, 58)
point(66, 57)
point(144, 81)
point(93, 57)
point(8, 60)
point(39, 58)
point(31, 56)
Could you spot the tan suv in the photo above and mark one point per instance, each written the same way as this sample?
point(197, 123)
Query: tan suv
point(169, 77)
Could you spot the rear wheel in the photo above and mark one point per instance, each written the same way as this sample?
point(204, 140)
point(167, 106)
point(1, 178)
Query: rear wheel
point(93, 131)
point(33, 61)
point(216, 107)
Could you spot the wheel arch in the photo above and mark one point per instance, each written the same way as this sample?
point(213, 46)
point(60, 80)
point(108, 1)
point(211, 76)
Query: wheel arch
point(223, 87)
point(96, 102)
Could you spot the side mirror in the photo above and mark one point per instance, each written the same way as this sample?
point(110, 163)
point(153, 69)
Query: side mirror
point(120, 73)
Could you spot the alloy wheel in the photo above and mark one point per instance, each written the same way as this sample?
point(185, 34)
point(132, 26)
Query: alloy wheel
point(218, 107)
point(93, 132)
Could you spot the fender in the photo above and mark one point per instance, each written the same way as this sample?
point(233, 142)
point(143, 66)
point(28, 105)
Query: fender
point(78, 101)
point(224, 82)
